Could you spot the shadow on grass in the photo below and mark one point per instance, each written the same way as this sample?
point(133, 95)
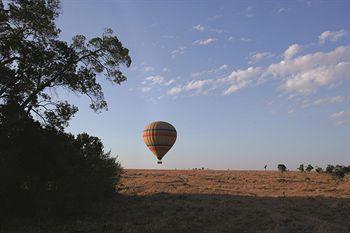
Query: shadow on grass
point(201, 213)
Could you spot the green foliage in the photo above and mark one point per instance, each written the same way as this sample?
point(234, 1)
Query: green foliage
point(309, 168)
point(282, 168)
point(44, 170)
point(301, 168)
point(35, 62)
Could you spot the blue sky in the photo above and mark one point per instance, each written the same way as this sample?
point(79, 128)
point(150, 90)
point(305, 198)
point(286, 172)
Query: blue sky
point(245, 83)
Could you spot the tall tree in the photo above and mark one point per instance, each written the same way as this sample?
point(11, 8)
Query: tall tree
point(34, 62)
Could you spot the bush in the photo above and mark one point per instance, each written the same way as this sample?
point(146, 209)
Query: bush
point(282, 168)
point(309, 168)
point(301, 168)
point(43, 170)
point(319, 170)
point(329, 168)
point(340, 171)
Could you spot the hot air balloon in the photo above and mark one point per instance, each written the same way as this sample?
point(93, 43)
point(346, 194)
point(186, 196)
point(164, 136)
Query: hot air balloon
point(159, 137)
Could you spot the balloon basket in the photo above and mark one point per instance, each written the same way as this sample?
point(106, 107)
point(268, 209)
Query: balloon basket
point(159, 162)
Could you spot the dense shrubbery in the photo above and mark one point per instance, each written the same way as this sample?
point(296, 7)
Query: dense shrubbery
point(338, 171)
point(43, 170)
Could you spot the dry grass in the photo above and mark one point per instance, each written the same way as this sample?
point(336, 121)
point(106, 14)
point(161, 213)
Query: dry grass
point(217, 201)
point(243, 183)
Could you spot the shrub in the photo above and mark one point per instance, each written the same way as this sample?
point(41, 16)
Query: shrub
point(301, 168)
point(329, 168)
point(282, 168)
point(309, 168)
point(43, 170)
point(340, 171)
point(319, 170)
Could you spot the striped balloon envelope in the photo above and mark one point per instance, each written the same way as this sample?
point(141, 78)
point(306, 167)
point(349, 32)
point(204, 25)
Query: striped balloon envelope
point(159, 136)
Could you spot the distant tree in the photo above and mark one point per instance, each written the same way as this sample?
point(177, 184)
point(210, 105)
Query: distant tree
point(282, 168)
point(318, 169)
point(347, 169)
point(34, 62)
point(339, 171)
point(301, 168)
point(329, 168)
point(309, 168)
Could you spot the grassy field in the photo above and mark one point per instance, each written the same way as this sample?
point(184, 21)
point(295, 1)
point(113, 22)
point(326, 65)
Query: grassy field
point(216, 201)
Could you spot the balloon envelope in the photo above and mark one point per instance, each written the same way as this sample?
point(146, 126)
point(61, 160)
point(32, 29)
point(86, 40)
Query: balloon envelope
point(159, 136)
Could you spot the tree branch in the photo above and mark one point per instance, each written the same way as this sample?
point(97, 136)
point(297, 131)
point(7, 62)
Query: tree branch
point(48, 83)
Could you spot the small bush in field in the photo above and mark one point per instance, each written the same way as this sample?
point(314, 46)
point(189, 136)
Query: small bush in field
point(319, 169)
point(309, 168)
point(282, 168)
point(329, 168)
point(301, 168)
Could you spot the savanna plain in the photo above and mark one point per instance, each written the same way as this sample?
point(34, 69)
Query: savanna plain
point(217, 201)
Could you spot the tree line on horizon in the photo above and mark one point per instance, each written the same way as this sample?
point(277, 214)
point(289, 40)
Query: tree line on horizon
point(338, 171)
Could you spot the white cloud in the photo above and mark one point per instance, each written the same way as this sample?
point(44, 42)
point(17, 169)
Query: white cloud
point(244, 39)
point(223, 67)
point(248, 12)
point(145, 89)
point(342, 122)
point(155, 79)
point(198, 84)
point(174, 90)
point(340, 114)
point(324, 101)
point(219, 31)
point(330, 100)
point(207, 72)
point(290, 111)
point(305, 74)
point(281, 10)
point(169, 82)
point(296, 76)
point(332, 36)
point(149, 68)
point(291, 51)
point(192, 85)
point(341, 118)
point(240, 79)
point(199, 27)
point(310, 80)
point(204, 42)
point(256, 57)
point(178, 51)
point(165, 69)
